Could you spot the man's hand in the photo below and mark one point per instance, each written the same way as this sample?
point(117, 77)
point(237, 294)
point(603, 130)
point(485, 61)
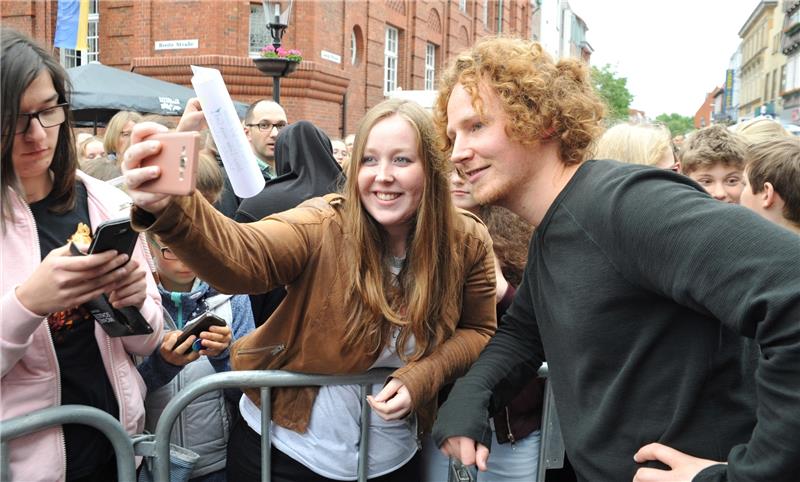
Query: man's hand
point(468, 451)
point(683, 467)
point(393, 402)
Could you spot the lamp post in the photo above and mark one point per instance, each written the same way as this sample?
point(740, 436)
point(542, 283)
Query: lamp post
point(273, 64)
point(277, 29)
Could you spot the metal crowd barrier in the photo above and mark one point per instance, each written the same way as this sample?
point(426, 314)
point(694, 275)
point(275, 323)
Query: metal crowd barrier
point(551, 448)
point(264, 379)
point(53, 416)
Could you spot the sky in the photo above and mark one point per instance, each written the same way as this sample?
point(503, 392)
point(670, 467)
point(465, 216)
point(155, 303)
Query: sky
point(672, 52)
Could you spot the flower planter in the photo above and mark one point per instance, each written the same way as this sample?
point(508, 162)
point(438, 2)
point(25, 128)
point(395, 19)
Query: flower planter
point(275, 67)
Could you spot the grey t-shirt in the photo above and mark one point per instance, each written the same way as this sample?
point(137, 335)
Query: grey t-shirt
point(330, 445)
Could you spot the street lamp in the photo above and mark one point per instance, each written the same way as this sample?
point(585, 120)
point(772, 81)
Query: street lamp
point(277, 27)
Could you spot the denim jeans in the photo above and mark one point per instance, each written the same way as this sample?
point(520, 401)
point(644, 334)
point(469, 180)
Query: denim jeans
point(507, 463)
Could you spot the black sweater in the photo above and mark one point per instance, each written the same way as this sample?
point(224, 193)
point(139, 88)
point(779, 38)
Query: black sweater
point(646, 294)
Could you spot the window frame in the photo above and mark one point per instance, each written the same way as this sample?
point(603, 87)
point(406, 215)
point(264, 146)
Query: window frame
point(390, 59)
point(430, 66)
point(263, 38)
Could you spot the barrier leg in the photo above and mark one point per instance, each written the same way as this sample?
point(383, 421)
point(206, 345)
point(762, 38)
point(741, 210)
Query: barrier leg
point(551, 450)
point(363, 444)
point(266, 443)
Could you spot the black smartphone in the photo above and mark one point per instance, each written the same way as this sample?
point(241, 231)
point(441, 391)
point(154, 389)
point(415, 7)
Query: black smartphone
point(462, 473)
point(114, 234)
point(198, 325)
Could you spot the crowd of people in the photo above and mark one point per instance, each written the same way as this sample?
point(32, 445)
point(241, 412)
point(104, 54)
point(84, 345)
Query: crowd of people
point(460, 248)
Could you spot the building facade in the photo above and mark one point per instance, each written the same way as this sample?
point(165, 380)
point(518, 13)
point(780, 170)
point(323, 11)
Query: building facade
point(774, 67)
point(755, 35)
point(790, 46)
point(355, 52)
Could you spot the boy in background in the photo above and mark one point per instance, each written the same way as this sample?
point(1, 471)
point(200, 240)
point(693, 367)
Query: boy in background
point(772, 182)
point(714, 158)
point(204, 425)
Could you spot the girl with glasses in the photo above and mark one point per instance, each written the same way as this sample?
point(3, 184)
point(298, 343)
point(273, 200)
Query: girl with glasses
point(53, 353)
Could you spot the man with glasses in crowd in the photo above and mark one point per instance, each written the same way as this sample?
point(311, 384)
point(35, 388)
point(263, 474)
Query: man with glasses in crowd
point(264, 119)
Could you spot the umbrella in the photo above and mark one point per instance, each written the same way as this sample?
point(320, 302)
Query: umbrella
point(99, 92)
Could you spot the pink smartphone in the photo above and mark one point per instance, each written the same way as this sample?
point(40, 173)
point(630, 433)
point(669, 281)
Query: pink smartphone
point(178, 163)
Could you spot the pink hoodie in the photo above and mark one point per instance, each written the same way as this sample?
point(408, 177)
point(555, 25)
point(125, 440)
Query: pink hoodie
point(30, 374)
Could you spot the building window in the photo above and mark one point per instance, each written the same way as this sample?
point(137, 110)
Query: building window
point(485, 13)
point(74, 58)
point(353, 48)
point(783, 79)
point(774, 83)
point(462, 6)
point(500, 18)
point(259, 34)
point(430, 66)
point(766, 88)
point(390, 61)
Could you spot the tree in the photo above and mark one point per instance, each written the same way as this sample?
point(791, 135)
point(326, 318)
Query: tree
point(677, 124)
point(614, 90)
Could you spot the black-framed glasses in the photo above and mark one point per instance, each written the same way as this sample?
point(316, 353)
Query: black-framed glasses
point(50, 117)
point(166, 253)
point(267, 126)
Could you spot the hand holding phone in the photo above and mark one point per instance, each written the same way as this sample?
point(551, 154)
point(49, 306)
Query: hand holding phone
point(116, 234)
point(198, 325)
point(178, 162)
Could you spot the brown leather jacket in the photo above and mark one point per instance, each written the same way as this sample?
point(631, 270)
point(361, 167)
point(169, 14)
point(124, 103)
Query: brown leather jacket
point(304, 250)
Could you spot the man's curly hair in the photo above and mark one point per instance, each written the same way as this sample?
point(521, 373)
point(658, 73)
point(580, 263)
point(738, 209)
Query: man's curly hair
point(541, 98)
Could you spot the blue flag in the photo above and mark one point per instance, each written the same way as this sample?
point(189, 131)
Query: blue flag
point(72, 24)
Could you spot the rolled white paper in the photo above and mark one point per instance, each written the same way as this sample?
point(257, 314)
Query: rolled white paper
point(226, 129)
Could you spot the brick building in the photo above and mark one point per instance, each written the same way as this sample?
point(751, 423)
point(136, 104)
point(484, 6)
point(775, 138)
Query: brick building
point(354, 51)
point(704, 116)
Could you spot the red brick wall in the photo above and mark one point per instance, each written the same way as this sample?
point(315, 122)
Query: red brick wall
point(318, 90)
point(702, 118)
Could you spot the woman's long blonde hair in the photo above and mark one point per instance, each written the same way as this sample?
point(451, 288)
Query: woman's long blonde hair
point(428, 288)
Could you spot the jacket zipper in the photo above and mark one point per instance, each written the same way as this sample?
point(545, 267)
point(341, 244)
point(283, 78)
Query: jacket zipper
point(273, 349)
point(58, 393)
point(508, 424)
point(116, 386)
point(52, 347)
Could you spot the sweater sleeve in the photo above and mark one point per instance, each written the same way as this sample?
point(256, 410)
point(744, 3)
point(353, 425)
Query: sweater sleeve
point(16, 334)
point(728, 262)
point(512, 356)
point(157, 372)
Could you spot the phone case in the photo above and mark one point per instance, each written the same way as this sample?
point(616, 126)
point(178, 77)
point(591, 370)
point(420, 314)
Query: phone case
point(178, 163)
point(462, 473)
point(198, 325)
point(114, 234)
point(126, 321)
